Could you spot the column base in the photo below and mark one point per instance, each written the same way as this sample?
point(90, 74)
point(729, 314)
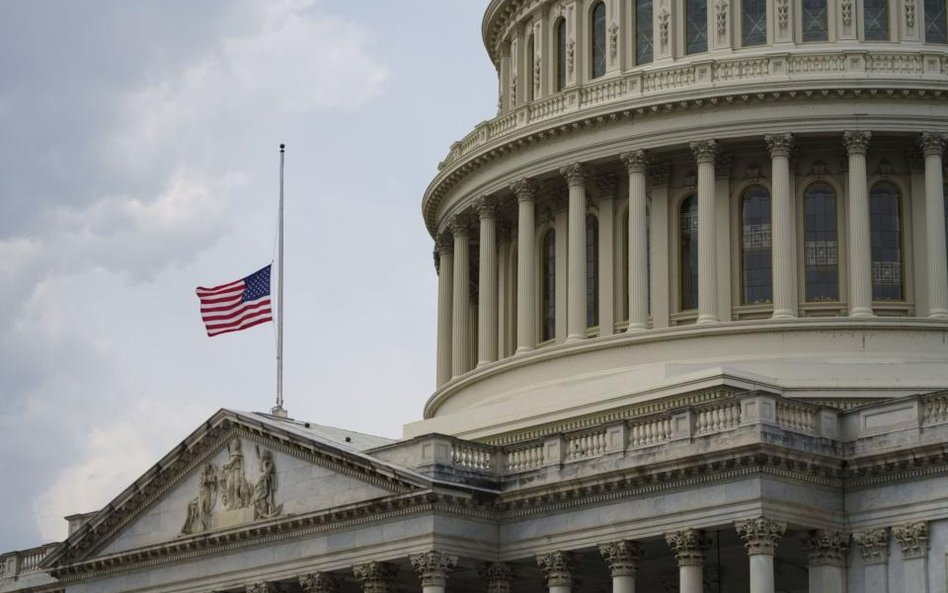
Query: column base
point(524, 350)
point(938, 314)
point(861, 312)
point(575, 338)
point(635, 328)
point(702, 319)
point(783, 314)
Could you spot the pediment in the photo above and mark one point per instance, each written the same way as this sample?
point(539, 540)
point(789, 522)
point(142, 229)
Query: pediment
point(235, 473)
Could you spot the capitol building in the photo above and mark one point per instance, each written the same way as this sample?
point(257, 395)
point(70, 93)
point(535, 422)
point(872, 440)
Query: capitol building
point(692, 337)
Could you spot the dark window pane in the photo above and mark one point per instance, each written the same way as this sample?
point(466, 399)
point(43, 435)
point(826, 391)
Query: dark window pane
point(814, 20)
point(561, 54)
point(592, 271)
point(820, 243)
point(936, 27)
point(549, 286)
point(688, 252)
point(644, 52)
point(696, 26)
point(886, 237)
point(530, 59)
point(876, 15)
point(753, 22)
point(599, 40)
point(756, 262)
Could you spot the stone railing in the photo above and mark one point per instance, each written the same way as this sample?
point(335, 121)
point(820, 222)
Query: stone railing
point(18, 564)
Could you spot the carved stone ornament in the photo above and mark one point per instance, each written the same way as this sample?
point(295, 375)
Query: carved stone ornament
point(910, 14)
point(913, 539)
point(445, 243)
point(622, 557)
point(613, 40)
point(783, 14)
point(856, 142)
point(760, 535)
point(818, 169)
point(460, 225)
point(932, 144)
point(885, 168)
point(752, 172)
point(525, 189)
point(659, 174)
point(723, 164)
point(636, 161)
point(261, 587)
point(375, 577)
point(720, 15)
point(497, 575)
point(689, 546)
point(576, 174)
point(433, 567)
point(663, 16)
point(485, 206)
point(846, 12)
point(779, 145)
point(319, 582)
point(826, 548)
point(704, 150)
point(537, 70)
point(607, 185)
point(513, 88)
point(873, 545)
point(558, 568)
point(570, 55)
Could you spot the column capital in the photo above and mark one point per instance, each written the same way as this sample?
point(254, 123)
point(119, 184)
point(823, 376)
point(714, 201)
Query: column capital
point(779, 145)
point(497, 575)
point(688, 545)
point(460, 225)
point(576, 174)
point(261, 587)
point(433, 567)
point(913, 538)
point(636, 161)
point(445, 242)
point(375, 577)
point(826, 547)
point(525, 189)
point(856, 141)
point(557, 567)
point(319, 582)
point(932, 143)
point(761, 535)
point(622, 556)
point(704, 150)
point(873, 545)
point(485, 206)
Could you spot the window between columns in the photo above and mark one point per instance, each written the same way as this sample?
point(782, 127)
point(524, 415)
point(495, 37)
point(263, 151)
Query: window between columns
point(688, 253)
point(936, 21)
point(756, 259)
point(597, 37)
point(548, 287)
point(820, 243)
point(885, 222)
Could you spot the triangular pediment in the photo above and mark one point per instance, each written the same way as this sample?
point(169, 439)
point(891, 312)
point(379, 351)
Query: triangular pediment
point(237, 472)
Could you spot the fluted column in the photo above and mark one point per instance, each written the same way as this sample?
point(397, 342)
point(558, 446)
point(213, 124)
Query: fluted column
point(445, 302)
point(913, 540)
point(689, 546)
point(558, 570)
point(319, 582)
point(874, 549)
point(623, 558)
point(433, 569)
point(486, 207)
point(636, 163)
point(576, 255)
point(782, 228)
point(497, 576)
point(860, 250)
point(705, 152)
point(933, 149)
point(460, 328)
point(761, 536)
point(526, 191)
point(375, 577)
point(827, 560)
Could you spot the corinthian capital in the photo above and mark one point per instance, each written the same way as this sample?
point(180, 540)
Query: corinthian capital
point(460, 225)
point(557, 567)
point(779, 145)
point(704, 150)
point(826, 548)
point(932, 144)
point(445, 243)
point(873, 545)
point(760, 535)
point(319, 582)
point(688, 545)
point(433, 567)
point(497, 575)
point(375, 577)
point(622, 556)
point(913, 538)
point(575, 174)
point(856, 142)
point(525, 189)
point(636, 161)
point(485, 206)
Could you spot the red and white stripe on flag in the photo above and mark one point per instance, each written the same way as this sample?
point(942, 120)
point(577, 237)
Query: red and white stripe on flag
point(237, 305)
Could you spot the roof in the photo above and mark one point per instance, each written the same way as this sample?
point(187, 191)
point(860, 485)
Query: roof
point(334, 435)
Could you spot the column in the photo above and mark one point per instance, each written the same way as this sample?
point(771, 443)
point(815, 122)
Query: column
point(688, 546)
point(445, 298)
point(933, 148)
point(860, 251)
point(433, 568)
point(782, 228)
point(606, 246)
point(576, 256)
point(705, 152)
point(558, 569)
point(636, 162)
point(659, 175)
point(913, 539)
point(526, 191)
point(874, 549)
point(460, 334)
point(497, 575)
point(623, 558)
point(319, 582)
point(761, 536)
point(827, 560)
point(375, 577)
point(486, 208)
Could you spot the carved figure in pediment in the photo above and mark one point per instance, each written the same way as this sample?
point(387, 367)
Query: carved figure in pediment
point(200, 507)
point(237, 492)
point(264, 505)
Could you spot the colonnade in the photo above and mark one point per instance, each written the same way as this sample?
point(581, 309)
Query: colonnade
point(454, 324)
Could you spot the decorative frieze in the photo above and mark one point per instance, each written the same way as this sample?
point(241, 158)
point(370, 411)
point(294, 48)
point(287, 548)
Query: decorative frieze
point(779, 145)
point(558, 568)
point(636, 161)
point(497, 576)
point(622, 556)
point(433, 567)
point(856, 142)
point(375, 577)
point(913, 539)
point(761, 535)
point(873, 545)
point(704, 150)
point(319, 582)
point(689, 546)
point(576, 174)
point(826, 547)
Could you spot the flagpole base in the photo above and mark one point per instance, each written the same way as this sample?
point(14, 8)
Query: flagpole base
point(279, 412)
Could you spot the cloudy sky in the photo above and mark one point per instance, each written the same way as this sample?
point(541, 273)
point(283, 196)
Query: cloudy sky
point(139, 159)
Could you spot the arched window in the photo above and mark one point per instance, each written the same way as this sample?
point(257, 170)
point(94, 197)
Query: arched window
point(936, 21)
point(814, 19)
point(592, 271)
point(688, 252)
point(756, 262)
point(885, 224)
point(820, 243)
point(753, 22)
point(598, 40)
point(531, 57)
point(644, 48)
point(549, 286)
point(876, 19)
point(696, 26)
point(560, 54)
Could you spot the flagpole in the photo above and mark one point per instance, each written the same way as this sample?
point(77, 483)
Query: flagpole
point(278, 409)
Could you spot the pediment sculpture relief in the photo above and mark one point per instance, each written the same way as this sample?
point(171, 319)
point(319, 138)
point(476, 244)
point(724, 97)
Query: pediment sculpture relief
point(240, 501)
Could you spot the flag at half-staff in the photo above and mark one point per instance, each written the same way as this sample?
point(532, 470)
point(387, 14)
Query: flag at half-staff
point(237, 305)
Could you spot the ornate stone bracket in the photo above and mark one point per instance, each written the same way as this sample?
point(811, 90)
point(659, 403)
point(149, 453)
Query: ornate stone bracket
point(913, 538)
point(319, 582)
point(558, 568)
point(622, 556)
point(689, 546)
point(497, 575)
point(826, 548)
point(375, 577)
point(873, 545)
point(433, 567)
point(761, 535)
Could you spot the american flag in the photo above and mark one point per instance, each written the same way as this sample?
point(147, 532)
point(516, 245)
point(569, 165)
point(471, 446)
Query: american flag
point(237, 305)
